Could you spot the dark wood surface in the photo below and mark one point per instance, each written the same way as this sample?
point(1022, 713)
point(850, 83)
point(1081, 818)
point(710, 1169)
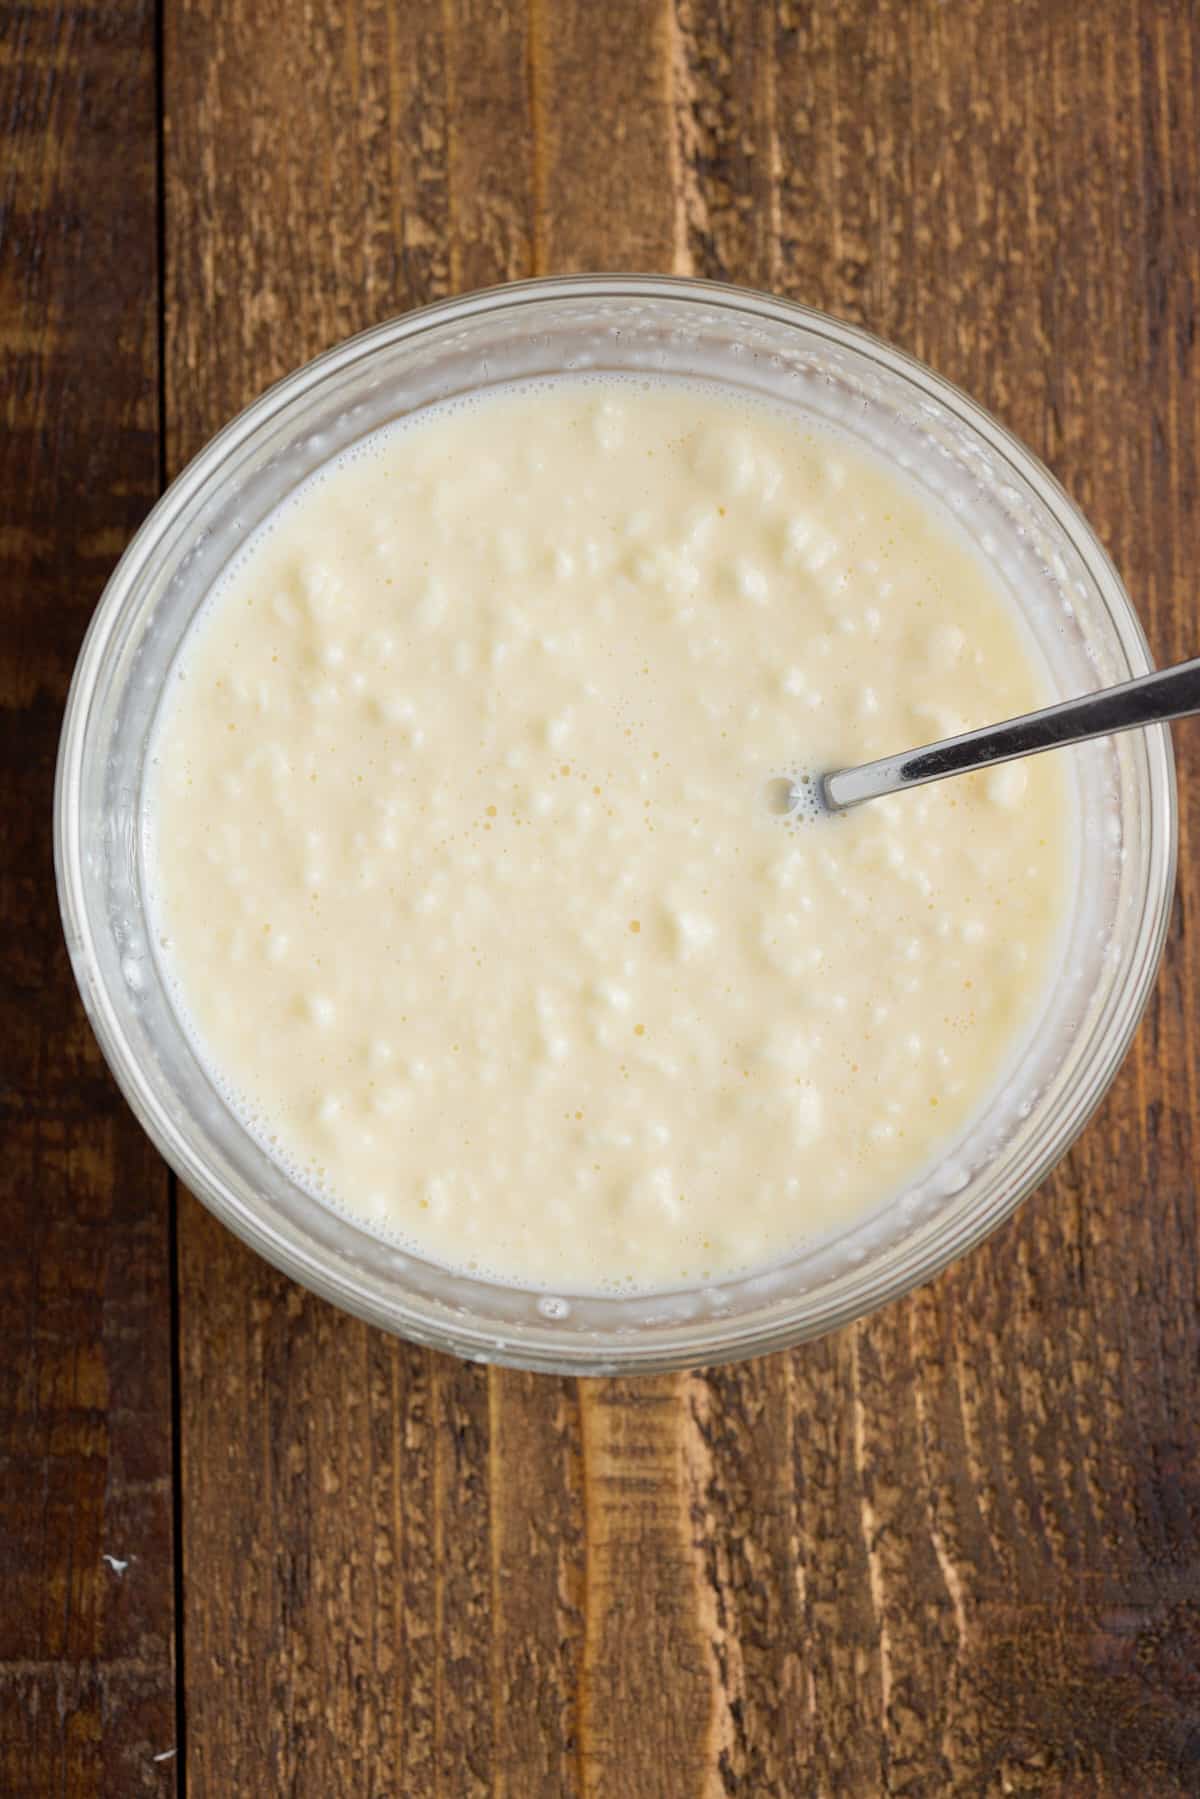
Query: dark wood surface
point(954, 1549)
point(87, 1645)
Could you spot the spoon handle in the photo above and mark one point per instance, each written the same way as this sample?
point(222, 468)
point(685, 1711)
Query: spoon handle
point(1151, 699)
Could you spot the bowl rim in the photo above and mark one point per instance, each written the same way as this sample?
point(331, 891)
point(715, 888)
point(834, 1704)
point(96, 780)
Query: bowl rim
point(542, 1346)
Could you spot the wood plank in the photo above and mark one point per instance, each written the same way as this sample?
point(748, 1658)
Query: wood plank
point(87, 1699)
point(394, 1478)
point(599, 97)
point(606, 162)
point(952, 1548)
point(979, 1550)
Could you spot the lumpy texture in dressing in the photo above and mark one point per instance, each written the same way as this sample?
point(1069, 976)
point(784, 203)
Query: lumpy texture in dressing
point(464, 866)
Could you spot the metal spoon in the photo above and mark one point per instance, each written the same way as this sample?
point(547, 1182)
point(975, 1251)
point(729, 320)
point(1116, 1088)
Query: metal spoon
point(1151, 699)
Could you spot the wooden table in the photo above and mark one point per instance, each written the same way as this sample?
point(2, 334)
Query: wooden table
point(249, 1546)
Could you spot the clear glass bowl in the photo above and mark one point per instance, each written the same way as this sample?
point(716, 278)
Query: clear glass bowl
point(1059, 575)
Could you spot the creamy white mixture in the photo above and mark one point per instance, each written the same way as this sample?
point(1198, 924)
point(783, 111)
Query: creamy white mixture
point(463, 869)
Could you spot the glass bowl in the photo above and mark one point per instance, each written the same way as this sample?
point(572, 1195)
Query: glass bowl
point(1040, 545)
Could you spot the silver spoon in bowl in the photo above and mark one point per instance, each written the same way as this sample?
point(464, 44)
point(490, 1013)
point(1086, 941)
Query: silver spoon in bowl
point(1150, 700)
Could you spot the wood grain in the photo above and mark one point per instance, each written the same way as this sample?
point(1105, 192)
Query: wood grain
point(953, 1549)
point(87, 1695)
point(987, 1588)
point(413, 1496)
point(992, 1430)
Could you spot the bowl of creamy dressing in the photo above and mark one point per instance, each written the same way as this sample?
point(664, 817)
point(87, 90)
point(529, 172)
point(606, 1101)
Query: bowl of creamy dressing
point(416, 850)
